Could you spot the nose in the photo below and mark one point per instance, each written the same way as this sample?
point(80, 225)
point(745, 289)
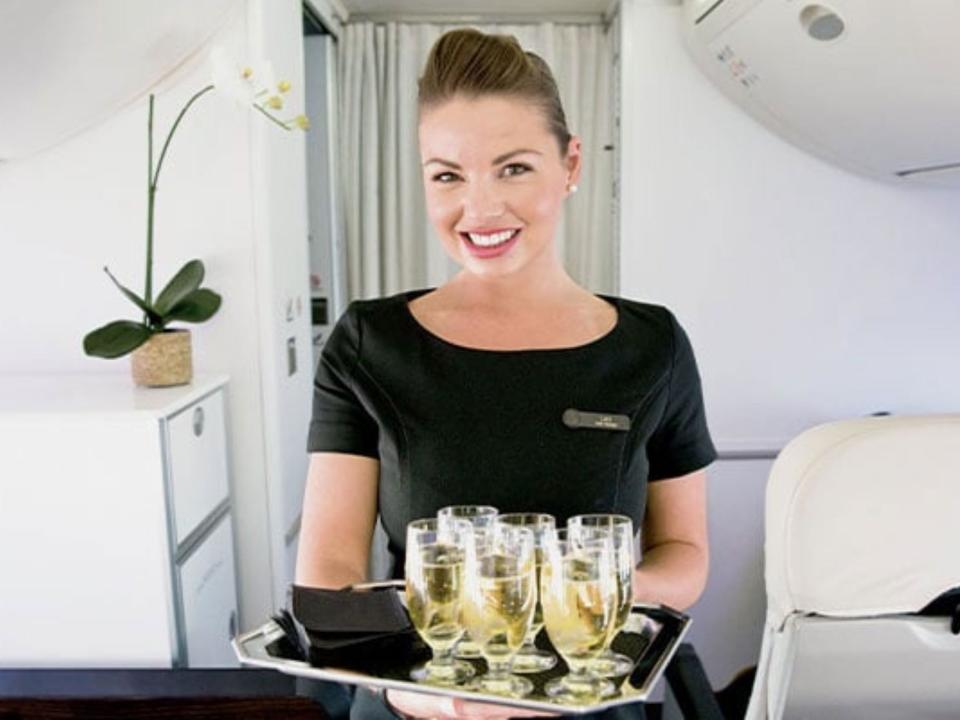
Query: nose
point(483, 201)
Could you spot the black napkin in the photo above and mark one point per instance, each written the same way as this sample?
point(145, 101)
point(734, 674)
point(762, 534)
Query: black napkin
point(356, 629)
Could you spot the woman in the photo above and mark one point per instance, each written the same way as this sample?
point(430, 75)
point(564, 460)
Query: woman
point(476, 392)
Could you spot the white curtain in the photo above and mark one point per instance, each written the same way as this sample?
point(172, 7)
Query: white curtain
point(390, 243)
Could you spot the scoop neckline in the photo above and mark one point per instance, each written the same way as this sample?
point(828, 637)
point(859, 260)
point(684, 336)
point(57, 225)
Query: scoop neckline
point(410, 295)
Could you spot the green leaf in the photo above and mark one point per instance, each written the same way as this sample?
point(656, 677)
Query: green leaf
point(184, 282)
point(134, 298)
point(116, 339)
point(198, 306)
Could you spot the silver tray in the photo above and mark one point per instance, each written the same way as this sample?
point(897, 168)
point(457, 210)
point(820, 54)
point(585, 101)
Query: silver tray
point(650, 638)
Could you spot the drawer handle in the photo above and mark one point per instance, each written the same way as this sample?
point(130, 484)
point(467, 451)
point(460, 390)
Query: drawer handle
point(198, 422)
point(232, 625)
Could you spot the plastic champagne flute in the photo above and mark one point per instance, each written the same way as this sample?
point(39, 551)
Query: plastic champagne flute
point(434, 591)
point(498, 604)
point(620, 529)
point(481, 517)
point(579, 587)
point(530, 659)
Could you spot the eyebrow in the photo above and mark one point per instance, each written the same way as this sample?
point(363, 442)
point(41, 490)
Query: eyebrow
point(496, 160)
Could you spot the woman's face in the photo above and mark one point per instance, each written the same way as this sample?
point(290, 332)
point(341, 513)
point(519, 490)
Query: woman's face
point(495, 182)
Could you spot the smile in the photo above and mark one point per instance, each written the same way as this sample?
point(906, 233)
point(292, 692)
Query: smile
point(490, 245)
point(491, 239)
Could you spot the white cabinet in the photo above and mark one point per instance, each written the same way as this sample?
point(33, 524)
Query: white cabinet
point(116, 539)
point(196, 442)
point(208, 590)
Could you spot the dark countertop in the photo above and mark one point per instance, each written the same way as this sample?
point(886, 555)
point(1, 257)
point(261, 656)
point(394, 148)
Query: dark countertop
point(125, 683)
point(32, 694)
point(159, 694)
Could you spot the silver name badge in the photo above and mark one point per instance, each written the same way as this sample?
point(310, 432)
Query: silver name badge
point(595, 421)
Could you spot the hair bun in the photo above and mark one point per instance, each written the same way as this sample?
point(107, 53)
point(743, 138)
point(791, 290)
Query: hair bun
point(470, 63)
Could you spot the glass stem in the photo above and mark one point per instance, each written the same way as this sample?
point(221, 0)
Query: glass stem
point(579, 675)
point(443, 659)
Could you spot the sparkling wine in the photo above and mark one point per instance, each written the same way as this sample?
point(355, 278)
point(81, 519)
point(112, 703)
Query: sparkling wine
point(578, 610)
point(498, 609)
point(625, 598)
point(434, 593)
point(537, 623)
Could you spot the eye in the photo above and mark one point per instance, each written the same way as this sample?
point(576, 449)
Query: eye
point(440, 177)
point(522, 167)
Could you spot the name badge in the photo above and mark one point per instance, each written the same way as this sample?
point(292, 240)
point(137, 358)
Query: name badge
point(577, 419)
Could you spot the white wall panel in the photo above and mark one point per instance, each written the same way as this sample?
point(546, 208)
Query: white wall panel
point(728, 619)
point(279, 181)
point(67, 212)
point(809, 293)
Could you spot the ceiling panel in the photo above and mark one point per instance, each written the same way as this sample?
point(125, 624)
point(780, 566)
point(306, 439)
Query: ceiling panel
point(66, 65)
point(476, 7)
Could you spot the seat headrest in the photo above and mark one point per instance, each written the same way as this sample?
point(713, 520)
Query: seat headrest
point(861, 517)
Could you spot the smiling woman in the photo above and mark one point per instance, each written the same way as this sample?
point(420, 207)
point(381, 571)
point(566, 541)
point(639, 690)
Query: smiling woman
point(497, 206)
point(389, 240)
point(456, 395)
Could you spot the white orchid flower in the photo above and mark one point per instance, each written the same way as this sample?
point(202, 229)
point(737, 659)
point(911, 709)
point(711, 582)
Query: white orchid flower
point(252, 86)
point(229, 79)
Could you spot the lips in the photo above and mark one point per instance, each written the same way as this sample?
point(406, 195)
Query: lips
point(481, 251)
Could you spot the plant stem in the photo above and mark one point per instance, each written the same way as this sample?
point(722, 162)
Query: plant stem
point(147, 295)
point(173, 129)
point(152, 176)
point(283, 125)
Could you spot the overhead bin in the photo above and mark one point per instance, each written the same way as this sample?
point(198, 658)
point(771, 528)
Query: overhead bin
point(869, 86)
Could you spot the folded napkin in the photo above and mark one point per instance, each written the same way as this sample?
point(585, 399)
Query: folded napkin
point(356, 629)
point(350, 612)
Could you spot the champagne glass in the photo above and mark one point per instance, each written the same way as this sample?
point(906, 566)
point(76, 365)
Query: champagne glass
point(530, 659)
point(481, 517)
point(434, 590)
point(498, 604)
point(620, 528)
point(579, 591)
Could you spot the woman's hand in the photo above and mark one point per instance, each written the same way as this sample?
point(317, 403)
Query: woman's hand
point(421, 705)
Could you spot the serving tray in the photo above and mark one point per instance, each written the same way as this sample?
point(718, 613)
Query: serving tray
point(650, 638)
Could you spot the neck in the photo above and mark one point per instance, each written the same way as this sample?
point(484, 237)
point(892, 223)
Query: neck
point(540, 284)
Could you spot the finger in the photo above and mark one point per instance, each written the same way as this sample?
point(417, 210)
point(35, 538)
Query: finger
point(488, 711)
point(422, 705)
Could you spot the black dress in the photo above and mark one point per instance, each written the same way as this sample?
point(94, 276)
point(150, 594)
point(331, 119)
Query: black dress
point(563, 431)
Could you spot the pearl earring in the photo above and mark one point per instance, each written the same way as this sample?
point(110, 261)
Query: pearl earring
point(572, 188)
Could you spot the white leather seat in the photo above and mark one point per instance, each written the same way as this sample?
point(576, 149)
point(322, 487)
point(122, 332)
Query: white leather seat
point(862, 521)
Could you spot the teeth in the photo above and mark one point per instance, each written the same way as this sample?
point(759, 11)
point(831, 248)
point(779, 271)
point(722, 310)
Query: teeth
point(493, 239)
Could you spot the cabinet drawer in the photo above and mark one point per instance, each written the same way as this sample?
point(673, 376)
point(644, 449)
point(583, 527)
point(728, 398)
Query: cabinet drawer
point(208, 593)
point(198, 462)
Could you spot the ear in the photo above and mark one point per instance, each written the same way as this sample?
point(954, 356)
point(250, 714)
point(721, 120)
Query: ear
point(573, 161)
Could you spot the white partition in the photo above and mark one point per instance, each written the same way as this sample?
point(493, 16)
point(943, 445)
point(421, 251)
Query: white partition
point(809, 293)
point(728, 619)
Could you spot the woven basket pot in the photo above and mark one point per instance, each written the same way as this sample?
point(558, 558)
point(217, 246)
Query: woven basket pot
point(163, 360)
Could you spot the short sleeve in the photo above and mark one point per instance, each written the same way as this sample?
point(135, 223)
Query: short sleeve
point(340, 423)
point(681, 443)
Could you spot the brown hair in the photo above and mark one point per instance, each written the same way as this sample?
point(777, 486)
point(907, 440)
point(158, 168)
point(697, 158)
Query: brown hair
point(471, 63)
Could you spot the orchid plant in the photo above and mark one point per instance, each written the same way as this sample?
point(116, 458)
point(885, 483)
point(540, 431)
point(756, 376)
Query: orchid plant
point(182, 299)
